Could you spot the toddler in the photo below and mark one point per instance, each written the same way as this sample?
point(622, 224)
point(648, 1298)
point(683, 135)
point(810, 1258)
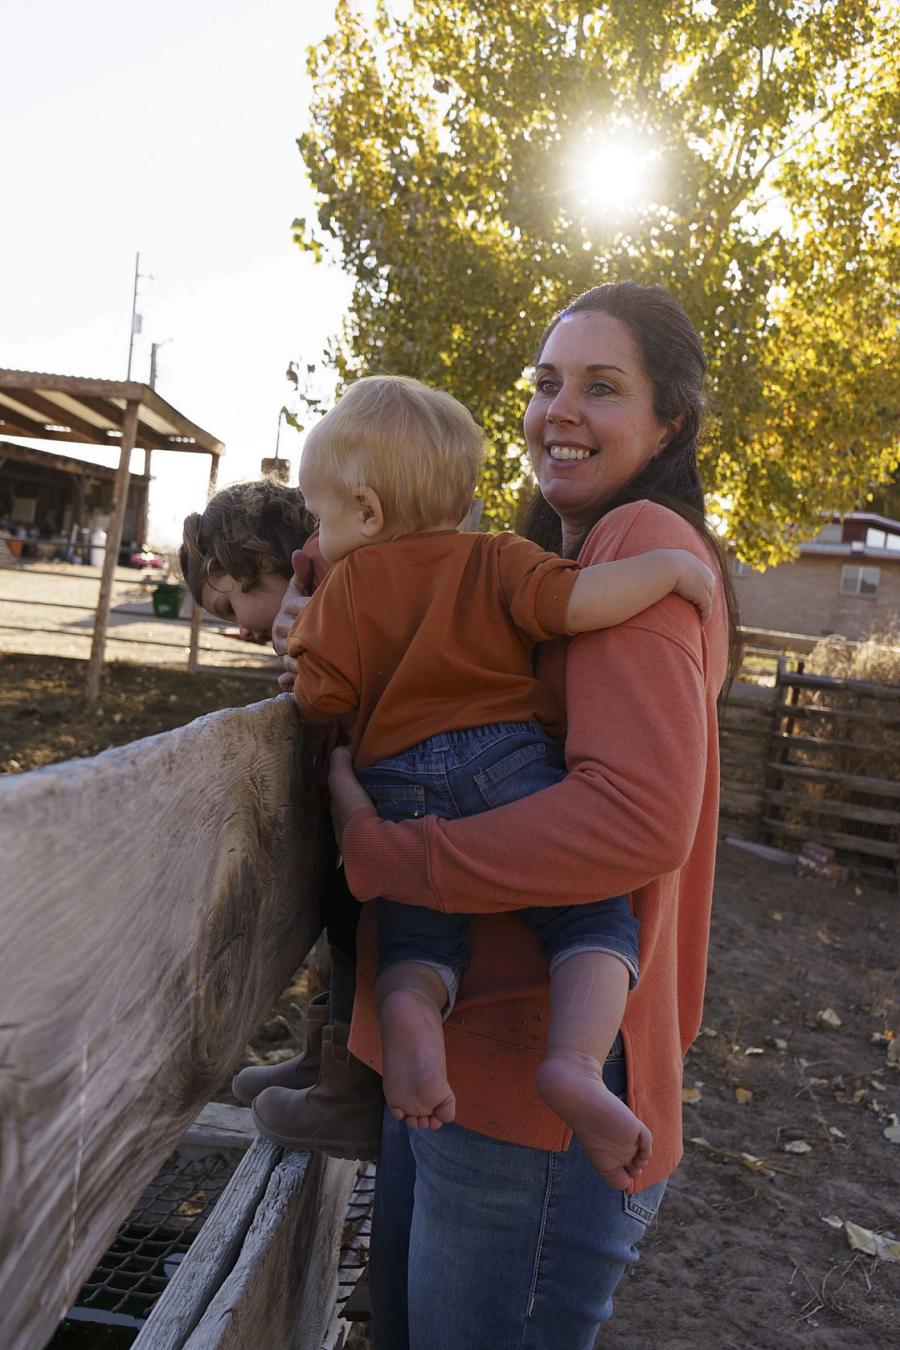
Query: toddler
point(427, 634)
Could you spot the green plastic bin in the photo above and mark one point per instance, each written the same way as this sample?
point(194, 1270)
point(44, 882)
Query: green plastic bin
point(167, 600)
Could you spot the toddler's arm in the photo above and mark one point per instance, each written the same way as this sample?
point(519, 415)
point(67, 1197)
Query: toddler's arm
point(609, 593)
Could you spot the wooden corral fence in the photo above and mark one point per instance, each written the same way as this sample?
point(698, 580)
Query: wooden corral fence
point(156, 900)
point(815, 759)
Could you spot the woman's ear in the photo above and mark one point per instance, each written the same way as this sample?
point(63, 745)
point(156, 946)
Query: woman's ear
point(371, 512)
point(669, 432)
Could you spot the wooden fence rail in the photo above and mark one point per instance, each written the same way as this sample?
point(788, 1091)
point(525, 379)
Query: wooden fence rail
point(156, 900)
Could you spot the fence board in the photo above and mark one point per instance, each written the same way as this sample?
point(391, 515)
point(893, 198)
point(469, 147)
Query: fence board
point(854, 782)
point(156, 900)
point(799, 801)
point(855, 843)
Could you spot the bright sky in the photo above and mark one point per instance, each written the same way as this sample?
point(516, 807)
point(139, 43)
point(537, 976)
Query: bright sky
point(167, 128)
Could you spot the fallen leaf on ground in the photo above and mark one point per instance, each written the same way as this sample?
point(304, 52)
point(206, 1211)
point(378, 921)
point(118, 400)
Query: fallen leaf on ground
point(691, 1096)
point(892, 1133)
point(832, 1220)
point(838, 1134)
point(827, 938)
point(746, 1160)
point(873, 1244)
point(829, 1018)
point(743, 1095)
point(892, 1058)
point(756, 1165)
point(780, 1044)
point(754, 1050)
point(798, 1146)
point(708, 1031)
point(777, 915)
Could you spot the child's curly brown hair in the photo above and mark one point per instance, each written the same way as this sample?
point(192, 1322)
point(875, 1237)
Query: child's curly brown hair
point(247, 530)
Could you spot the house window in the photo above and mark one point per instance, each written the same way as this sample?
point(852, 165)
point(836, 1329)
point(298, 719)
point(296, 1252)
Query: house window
point(740, 569)
point(876, 539)
point(860, 580)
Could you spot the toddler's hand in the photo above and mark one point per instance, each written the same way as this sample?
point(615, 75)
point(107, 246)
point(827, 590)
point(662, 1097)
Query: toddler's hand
point(295, 597)
point(696, 582)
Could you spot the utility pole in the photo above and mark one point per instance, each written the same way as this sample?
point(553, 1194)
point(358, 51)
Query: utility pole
point(142, 524)
point(136, 319)
point(154, 348)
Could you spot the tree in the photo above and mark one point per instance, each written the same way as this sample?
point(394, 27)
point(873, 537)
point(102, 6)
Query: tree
point(441, 147)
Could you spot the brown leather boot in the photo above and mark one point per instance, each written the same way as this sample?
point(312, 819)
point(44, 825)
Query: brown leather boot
point(340, 1114)
point(299, 1072)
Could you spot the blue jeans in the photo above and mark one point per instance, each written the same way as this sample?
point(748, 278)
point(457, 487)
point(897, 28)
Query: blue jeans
point(482, 1245)
point(462, 773)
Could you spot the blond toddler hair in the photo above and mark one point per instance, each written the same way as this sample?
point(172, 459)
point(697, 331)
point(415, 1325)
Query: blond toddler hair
point(418, 448)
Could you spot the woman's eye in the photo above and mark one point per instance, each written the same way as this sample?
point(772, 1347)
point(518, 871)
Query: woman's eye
point(545, 386)
point(600, 387)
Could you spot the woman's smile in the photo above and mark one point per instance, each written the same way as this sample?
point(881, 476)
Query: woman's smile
point(568, 451)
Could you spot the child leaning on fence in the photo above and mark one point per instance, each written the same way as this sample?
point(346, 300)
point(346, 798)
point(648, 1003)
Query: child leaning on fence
point(427, 634)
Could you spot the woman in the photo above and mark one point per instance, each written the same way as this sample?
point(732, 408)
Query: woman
point(495, 1231)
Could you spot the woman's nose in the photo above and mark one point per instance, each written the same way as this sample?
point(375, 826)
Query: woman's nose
point(562, 409)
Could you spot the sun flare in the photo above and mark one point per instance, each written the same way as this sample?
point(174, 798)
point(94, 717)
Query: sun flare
point(614, 172)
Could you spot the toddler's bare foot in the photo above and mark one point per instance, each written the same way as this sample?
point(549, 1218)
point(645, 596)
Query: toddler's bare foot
point(617, 1143)
point(415, 1068)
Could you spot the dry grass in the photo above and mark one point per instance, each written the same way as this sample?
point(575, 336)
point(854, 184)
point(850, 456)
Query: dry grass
point(877, 660)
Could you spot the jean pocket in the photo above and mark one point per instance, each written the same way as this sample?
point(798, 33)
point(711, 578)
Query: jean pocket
point(513, 776)
point(397, 801)
point(645, 1205)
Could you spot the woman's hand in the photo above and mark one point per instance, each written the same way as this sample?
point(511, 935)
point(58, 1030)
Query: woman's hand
point(295, 597)
point(348, 796)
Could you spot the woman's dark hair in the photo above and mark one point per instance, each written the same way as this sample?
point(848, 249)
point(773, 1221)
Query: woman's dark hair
point(673, 360)
point(247, 530)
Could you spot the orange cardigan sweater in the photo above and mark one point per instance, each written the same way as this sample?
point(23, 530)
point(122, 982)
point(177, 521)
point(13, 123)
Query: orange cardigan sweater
point(637, 813)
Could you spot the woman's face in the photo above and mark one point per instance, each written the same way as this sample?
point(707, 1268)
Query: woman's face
point(590, 424)
point(253, 611)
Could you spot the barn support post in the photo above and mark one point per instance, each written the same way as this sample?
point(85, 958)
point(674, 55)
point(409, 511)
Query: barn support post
point(197, 612)
point(111, 557)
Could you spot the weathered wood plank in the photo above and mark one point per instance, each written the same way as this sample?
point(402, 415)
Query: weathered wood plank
point(807, 801)
point(156, 900)
point(852, 843)
point(213, 1255)
point(887, 692)
point(222, 1126)
point(281, 1290)
point(855, 782)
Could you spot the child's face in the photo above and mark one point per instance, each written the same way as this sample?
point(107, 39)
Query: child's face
point(255, 610)
point(342, 519)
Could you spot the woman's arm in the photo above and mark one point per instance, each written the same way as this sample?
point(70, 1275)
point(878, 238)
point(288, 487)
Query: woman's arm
point(637, 705)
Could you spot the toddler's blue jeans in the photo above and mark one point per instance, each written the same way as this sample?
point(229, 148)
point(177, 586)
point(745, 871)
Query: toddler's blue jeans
point(462, 773)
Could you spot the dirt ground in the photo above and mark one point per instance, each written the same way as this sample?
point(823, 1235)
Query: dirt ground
point(43, 716)
point(790, 1088)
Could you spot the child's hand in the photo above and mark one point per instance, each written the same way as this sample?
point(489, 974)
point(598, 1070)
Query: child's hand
point(295, 597)
point(696, 582)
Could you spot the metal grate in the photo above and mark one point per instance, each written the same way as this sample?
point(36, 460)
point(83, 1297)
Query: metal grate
point(153, 1241)
point(351, 1303)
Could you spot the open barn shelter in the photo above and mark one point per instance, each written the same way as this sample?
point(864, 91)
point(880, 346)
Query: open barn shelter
point(123, 413)
point(52, 502)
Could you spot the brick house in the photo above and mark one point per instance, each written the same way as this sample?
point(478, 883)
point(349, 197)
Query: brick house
point(846, 580)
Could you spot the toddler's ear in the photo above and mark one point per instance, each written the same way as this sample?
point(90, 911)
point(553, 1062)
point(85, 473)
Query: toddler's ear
point(371, 512)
